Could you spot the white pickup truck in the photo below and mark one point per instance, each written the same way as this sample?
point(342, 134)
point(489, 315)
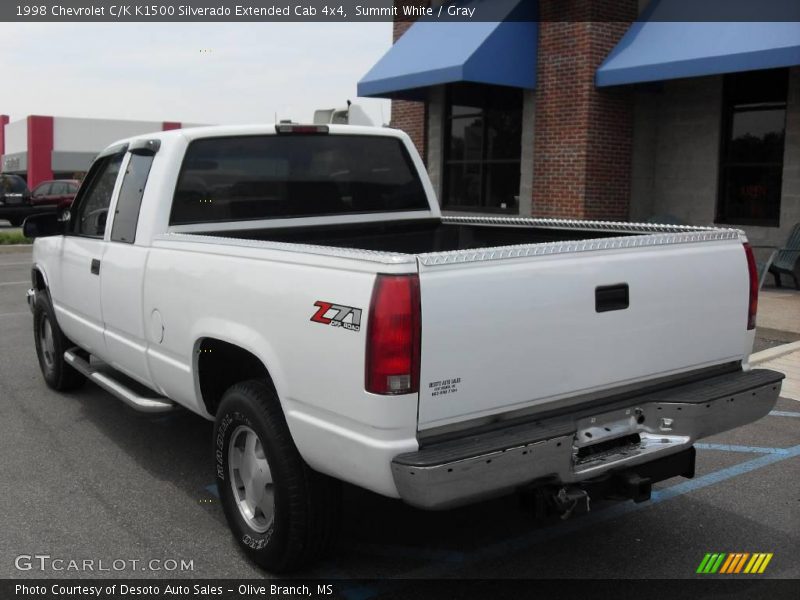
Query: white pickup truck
point(298, 285)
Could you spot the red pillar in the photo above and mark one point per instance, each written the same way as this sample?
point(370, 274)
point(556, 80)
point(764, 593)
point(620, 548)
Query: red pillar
point(40, 149)
point(167, 125)
point(3, 123)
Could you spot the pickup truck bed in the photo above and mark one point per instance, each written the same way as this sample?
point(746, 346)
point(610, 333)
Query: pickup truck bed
point(423, 236)
point(633, 298)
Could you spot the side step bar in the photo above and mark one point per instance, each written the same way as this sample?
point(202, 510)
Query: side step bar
point(133, 399)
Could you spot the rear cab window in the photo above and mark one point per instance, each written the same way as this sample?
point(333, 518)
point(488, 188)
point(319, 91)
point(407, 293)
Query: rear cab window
point(283, 176)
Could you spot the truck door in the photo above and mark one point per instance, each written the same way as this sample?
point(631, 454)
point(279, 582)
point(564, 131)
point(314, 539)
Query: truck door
point(122, 277)
point(77, 304)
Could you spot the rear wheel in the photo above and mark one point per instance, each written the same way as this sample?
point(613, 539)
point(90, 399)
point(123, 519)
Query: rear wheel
point(282, 513)
point(51, 343)
point(15, 221)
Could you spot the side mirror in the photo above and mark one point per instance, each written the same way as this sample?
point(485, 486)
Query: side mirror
point(43, 225)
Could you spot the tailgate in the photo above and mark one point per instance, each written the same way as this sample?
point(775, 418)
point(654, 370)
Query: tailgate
point(503, 331)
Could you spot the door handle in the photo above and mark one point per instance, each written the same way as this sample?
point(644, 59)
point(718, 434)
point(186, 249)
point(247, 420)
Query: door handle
point(95, 266)
point(611, 297)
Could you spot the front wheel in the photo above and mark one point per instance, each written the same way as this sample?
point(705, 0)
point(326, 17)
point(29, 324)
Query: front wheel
point(282, 513)
point(15, 221)
point(51, 343)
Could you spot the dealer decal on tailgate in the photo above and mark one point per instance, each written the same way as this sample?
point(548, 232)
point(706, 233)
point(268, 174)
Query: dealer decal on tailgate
point(337, 315)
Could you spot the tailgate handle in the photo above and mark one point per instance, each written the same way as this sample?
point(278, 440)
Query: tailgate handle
point(611, 297)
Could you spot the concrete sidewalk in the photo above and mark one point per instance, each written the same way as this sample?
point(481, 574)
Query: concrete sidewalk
point(789, 365)
point(779, 312)
point(779, 309)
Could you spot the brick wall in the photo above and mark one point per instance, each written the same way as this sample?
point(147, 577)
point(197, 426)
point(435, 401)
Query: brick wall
point(411, 117)
point(583, 136)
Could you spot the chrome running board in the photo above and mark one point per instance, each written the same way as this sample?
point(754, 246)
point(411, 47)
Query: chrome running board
point(155, 404)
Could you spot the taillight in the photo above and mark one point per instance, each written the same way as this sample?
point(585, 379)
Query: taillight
point(752, 307)
point(393, 336)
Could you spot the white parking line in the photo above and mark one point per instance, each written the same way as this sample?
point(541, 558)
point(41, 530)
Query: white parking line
point(14, 283)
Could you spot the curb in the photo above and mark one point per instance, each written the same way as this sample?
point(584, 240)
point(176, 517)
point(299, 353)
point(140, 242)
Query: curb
point(772, 353)
point(15, 248)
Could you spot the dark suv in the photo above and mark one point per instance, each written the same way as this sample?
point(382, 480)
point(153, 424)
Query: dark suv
point(15, 199)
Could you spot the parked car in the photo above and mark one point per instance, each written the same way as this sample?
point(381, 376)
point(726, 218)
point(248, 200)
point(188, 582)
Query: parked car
point(298, 285)
point(57, 192)
point(14, 199)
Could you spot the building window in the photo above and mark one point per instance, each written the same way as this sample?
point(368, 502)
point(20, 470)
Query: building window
point(751, 157)
point(483, 138)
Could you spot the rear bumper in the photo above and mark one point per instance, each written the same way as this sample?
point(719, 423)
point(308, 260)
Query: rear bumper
point(584, 445)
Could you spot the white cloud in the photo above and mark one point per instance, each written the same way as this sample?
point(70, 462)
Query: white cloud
point(200, 73)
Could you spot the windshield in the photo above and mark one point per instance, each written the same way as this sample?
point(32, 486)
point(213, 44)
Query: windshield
point(278, 176)
point(12, 184)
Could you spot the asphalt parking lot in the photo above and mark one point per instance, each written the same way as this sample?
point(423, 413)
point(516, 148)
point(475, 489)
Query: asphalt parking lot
point(86, 477)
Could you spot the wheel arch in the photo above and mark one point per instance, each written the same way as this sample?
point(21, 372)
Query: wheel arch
point(220, 362)
point(39, 279)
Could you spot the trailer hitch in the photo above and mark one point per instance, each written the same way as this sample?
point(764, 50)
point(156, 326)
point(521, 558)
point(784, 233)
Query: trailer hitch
point(632, 485)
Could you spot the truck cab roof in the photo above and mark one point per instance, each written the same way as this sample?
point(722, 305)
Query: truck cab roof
point(192, 133)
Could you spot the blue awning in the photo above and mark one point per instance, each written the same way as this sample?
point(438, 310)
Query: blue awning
point(655, 48)
point(434, 53)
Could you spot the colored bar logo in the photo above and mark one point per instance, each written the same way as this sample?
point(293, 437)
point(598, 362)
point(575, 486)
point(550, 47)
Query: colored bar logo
point(734, 563)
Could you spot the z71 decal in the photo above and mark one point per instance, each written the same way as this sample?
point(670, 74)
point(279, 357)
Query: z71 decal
point(337, 315)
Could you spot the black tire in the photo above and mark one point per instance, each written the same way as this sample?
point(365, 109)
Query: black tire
point(57, 373)
point(306, 504)
point(15, 221)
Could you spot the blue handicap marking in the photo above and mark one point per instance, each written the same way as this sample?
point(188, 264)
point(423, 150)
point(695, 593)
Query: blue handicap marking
point(531, 539)
point(735, 448)
point(783, 413)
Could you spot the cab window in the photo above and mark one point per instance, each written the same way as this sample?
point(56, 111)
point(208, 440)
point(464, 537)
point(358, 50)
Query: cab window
point(126, 216)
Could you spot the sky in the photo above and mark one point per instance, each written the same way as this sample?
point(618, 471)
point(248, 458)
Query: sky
point(209, 73)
